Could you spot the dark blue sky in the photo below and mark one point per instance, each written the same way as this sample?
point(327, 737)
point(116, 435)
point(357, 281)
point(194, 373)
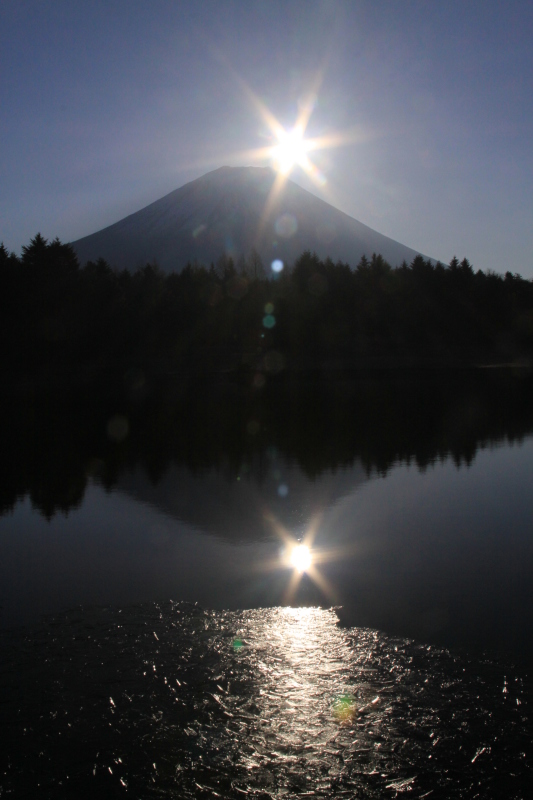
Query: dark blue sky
point(107, 106)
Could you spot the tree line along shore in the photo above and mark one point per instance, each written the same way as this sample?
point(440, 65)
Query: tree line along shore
point(60, 317)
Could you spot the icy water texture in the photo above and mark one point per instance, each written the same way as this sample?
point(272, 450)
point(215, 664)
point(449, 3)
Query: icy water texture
point(173, 701)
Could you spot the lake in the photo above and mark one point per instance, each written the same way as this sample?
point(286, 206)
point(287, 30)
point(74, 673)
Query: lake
point(158, 642)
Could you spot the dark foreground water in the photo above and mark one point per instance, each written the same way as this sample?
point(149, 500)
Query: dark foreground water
point(172, 701)
point(414, 496)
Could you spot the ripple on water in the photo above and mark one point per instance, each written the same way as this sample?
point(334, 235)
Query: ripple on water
point(171, 700)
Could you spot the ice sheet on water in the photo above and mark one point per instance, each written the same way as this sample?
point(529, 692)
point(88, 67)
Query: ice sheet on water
point(175, 701)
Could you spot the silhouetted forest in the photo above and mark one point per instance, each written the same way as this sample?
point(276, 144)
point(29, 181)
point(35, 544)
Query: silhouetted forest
point(59, 318)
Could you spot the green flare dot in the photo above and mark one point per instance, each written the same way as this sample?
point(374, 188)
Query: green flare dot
point(344, 707)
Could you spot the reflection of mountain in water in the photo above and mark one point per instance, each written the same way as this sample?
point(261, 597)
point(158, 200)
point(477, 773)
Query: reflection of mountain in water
point(185, 440)
point(241, 507)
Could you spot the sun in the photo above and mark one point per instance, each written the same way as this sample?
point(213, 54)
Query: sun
point(290, 148)
point(290, 151)
point(300, 557)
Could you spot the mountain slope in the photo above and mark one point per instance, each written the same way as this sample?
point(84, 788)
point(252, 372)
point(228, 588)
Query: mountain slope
point(229, 211)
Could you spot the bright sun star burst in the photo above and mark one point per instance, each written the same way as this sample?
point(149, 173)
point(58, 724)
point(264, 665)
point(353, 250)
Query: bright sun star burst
point(291, 150)
point(300, 557)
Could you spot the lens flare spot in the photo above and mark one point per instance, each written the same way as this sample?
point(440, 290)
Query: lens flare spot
point(273, 362)
point(283, 490)
point(301, 557)
point(118, 428)
point(269, 321)
point(269, 308)
point(286, 226)
point(253, 427)
point(238, 644)
point(344, 708)
point(199, 230)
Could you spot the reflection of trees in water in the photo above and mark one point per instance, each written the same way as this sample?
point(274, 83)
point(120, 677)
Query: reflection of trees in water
point(52, 446)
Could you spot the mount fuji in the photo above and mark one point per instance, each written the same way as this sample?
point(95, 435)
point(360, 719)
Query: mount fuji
point(233, 211)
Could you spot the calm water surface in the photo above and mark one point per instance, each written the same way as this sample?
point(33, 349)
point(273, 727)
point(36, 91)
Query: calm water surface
point(156, 642)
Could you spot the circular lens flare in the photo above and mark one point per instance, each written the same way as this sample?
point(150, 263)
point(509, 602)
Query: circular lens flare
point(300, 557)
point(344, 708)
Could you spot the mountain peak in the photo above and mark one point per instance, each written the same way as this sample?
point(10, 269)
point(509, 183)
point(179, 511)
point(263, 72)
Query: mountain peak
point(231, 210)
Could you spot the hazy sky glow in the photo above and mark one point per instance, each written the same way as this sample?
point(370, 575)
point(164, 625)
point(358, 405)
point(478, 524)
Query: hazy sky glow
point(107, 106)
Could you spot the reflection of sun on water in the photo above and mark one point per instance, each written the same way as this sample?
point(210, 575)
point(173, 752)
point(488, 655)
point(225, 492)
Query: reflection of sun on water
point(302, 561)
point(300, 557)
point(306, 695)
